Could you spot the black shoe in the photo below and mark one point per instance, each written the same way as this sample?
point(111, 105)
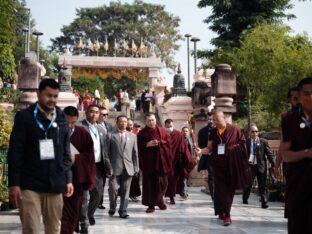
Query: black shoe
point(123, 215)
point(83, 229)
point(101, 207)
point(245, 202)
point(91, 221)
point(111, 212)
point(264, 205)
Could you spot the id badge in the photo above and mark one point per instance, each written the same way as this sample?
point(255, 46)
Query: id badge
point(221, 149)
point(46, 149)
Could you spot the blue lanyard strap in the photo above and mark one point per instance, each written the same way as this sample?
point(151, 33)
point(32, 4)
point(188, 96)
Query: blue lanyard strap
point(93, 132)
point(305, 121)
point(40, 125)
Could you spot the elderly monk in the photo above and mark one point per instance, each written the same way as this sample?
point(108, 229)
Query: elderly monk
point(296, 150)
point(227, 147)
point(155, 163)
point(83, 170)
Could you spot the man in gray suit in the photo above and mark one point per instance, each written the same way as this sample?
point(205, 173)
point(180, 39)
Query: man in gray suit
point(123, 157)
point(99, 137)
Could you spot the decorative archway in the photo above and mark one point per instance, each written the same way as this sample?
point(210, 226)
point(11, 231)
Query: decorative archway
point(116, 66)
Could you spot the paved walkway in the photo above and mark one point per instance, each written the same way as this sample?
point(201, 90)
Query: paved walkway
point(193, 216)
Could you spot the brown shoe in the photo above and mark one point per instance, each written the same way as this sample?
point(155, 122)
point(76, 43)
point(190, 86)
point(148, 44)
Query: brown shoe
point(150, 209)
point(162, 206)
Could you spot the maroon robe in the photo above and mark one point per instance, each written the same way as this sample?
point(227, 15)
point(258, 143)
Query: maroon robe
point(155, 163)
point(298, 175)
point(83, 178)
point(231, 170)
point(182, 164)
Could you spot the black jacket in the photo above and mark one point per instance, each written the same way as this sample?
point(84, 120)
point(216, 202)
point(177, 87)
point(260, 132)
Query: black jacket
point(202, 136)
point(263, 152)
point(26, 169)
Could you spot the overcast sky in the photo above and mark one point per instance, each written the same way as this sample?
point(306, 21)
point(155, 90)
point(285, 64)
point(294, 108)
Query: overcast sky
point(50, 16)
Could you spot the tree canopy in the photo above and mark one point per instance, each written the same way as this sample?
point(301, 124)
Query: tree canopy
point(230, 18)
point(271, 60)
point(150, 22)
point(7, 40)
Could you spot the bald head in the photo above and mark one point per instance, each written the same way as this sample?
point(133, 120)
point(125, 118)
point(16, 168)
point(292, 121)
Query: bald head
point(219, 119)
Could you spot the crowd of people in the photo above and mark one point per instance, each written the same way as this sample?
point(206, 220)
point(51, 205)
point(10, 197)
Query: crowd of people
point(126, 104)
point(58, 166)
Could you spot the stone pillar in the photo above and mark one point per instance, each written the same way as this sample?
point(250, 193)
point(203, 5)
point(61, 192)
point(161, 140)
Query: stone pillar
point(153, 76)
point(28, 81)
point(224, 89)
point(66, 96)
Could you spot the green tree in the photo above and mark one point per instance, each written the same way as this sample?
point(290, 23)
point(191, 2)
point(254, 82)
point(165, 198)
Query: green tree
point(230, 18)
point(7, 40)
point(150, 22)
point(82, 84)
point(271, 60)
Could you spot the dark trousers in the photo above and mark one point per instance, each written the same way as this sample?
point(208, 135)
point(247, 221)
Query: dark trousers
point(261, 178)
point(211, 184)
point(138, 105)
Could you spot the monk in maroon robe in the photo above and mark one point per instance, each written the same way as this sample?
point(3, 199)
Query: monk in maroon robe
point(175, 141)
point(227, 147)
point(155, 163)
point(296, 150)
point(180, 160)
point(83, 170)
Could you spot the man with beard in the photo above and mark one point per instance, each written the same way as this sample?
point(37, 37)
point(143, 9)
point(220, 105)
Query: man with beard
point(83, 169)
point(39, 162)
point(296, 150)
point(155, 162)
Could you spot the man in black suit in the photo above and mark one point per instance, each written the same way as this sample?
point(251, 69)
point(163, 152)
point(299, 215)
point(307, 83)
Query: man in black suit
point(202, 137)
point(102, 122)
point(258, 151)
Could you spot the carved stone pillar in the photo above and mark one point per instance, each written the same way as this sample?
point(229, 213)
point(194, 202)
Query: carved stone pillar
point(29, 77)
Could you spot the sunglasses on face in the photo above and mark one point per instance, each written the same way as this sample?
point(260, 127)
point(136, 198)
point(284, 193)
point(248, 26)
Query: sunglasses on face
point(104, 114)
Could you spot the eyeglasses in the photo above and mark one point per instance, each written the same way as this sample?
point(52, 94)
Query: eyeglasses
point(254, 131)
point(104, 114)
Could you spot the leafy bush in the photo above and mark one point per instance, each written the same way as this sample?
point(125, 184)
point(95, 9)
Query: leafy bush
point(9, 95)
point(5, 127)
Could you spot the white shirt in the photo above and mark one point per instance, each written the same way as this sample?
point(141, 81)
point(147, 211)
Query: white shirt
point(96, 141)
point(97, 94)
point(252, 157)
point(132, 105)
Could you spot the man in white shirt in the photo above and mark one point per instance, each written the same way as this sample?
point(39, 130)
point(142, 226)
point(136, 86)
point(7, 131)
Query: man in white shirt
point(99, 137)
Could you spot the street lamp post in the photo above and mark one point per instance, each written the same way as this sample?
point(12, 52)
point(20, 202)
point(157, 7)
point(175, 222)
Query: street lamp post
point(38, 34)
point(25, 30)
point(28, 34)
point(188, 60)
point(195, 39)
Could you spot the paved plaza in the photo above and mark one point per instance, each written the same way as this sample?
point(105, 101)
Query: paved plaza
point(193, 216)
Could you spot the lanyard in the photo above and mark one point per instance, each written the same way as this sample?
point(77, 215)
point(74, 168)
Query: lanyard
point(92, 131)
point(305, 121)
point(40, 125)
